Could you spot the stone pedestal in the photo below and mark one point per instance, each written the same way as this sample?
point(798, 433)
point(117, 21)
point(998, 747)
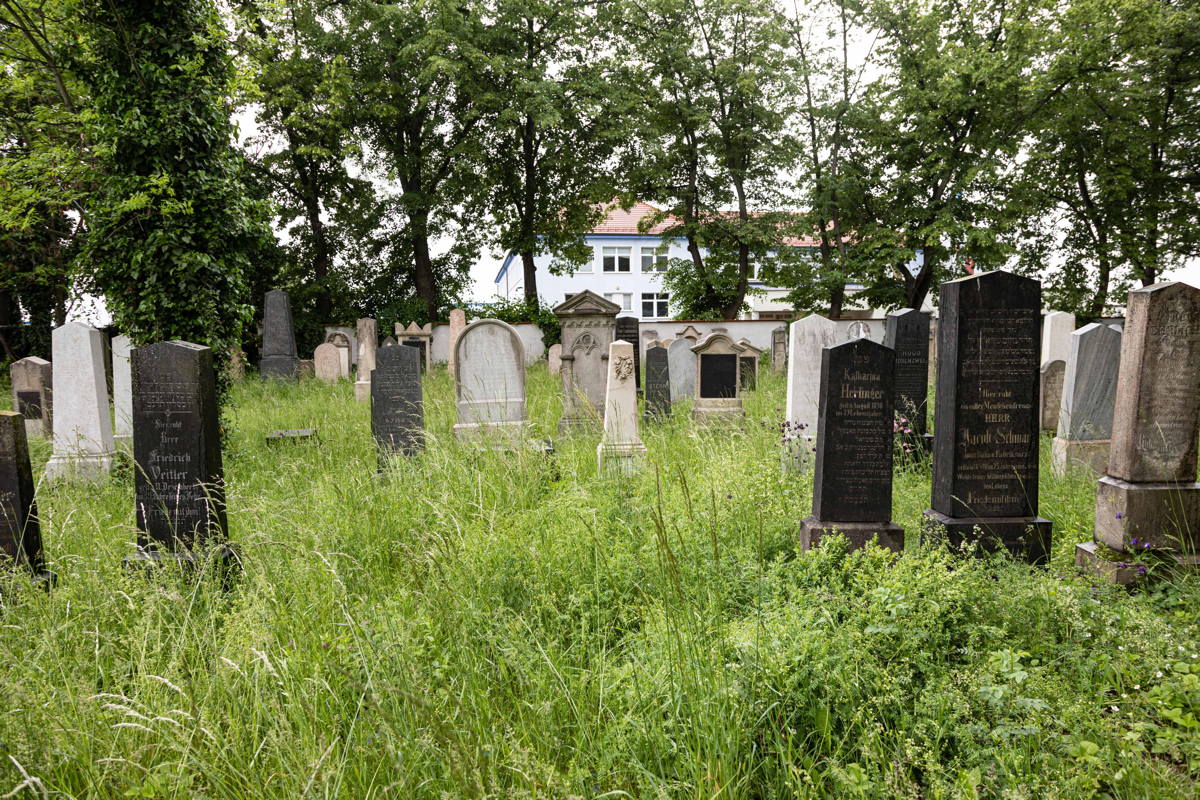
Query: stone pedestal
point(1164, 515)
point(1066, 454)
point(1125, 570)
point(858, 534)
point(1027, 538)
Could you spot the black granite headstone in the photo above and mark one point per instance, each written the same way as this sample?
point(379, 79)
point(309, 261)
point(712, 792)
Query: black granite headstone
point(985, 468)
point(718, 374)
point(20, 530)
point(279, 359)
point(179, 482)
point(628, 330)
point(658, 383)
point(748, 371)
point(397, 407)
point(907, 332)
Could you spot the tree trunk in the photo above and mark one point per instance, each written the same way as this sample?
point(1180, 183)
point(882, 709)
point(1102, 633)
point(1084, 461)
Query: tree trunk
point(530, 271)
point(423, 278)
point(837, 298)
point(919, 287)
point(311, 197)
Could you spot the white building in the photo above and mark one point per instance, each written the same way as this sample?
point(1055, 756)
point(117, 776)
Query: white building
point(627, 268)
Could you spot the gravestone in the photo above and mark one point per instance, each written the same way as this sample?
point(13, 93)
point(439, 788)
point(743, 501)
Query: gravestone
point(748, 364)
point(279, 339)
point(1057, 327)
point(327, 362)
point(621, 450)
point(681, 363)
point(985, 465)
point(344, 336)
point(305, 368)
point(1053, 373)
point(490, 381)
point(689, 332)
point(83, 437)
point(852, 484)
point(1150, 493)
point(388, 341)
point(658, 383)
point(237, 363)
point(627, 330)
point(458, 323)
point(419, 337)
point(122, 391)
point(554, 359)
point(1089, 392)
point(718, 389)
point(807, 338)
point(20, 529)
point(179, 482)
point(779, 349)
point(907, 332)
point(589, 326)
point(368, 346)
point(397, 405)
point(32, 384)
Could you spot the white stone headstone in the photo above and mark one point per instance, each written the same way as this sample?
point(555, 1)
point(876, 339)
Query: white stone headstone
point(554, 359)
point(1057, 327)
point(621, 449)
point(83, 435)
point(681, 366)
point(489, 380)
point(368, 345)
point(806, 339)
point(122, 391)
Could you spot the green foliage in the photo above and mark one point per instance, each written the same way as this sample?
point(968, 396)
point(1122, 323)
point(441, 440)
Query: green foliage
point(524, 311)
point(475, 623)
point(173, 231)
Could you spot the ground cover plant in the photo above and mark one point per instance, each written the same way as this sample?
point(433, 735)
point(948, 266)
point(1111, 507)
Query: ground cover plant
point(478, 624)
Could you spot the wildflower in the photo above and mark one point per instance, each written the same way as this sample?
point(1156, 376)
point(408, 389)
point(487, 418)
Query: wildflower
point(1132, 541)
point(1146, 546)
point(1141, 570)
point(1137, 687)
point(728, 497)
point(1118, 517)
point(1158, 674)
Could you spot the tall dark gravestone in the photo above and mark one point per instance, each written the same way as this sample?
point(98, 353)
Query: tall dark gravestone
point(658, 383)
point(628, 329)
point(20, 531)
point(852, 488)
point(907, 332)
point(419, 346)
point(179, 482)
point(397, 407)
point(279, 358)
point(985, 466)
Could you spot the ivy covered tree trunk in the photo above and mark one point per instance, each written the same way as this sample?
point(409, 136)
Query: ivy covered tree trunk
point(173, 230)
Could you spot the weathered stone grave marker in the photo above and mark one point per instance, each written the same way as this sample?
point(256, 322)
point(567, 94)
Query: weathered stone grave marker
point(681, 364)
point(852, 484)
point(327, 362)
point(20, 529)
point(1050, 403)
point(718, 390)
point(32, 385)
point(779, 349)
point(1089, 392)
point(748, 364)
point(83, 437)
point(1150, 500)
point(907, 332)
point(368, 347)
point(489, 381)
point(122, 391)
point(458, 323)
point(627, 330)
point(620, 450)
point(589, 324)
point(985, 467)
point(807, 338)
point(279, 358)
point(658, 382)
point(397, 404)
point(554, 359)
point(179, 482)
point(1057, 327)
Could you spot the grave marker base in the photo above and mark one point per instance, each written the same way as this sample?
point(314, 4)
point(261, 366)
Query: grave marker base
point(1167, 515)
point(83, 467)
point(621, 459)
point(284, 368)
point(1066, 454)
point(1027, 538)
point(362, 391)
point(1088, 559)
point(224, 557)
point(888, 534)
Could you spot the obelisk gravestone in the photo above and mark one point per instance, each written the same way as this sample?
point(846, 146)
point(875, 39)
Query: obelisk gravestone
point(279, 358)
point(852, 485)
point(985, 467)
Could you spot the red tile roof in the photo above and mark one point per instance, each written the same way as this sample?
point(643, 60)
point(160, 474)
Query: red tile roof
point(620, 221)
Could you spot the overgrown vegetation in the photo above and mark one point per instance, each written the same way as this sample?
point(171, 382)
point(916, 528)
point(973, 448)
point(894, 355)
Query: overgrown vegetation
point(480, 624)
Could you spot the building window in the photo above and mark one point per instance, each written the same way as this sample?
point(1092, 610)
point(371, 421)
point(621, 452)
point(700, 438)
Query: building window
point(623, 299)
point(616, 259)
point(653, 260)
point(654, 305)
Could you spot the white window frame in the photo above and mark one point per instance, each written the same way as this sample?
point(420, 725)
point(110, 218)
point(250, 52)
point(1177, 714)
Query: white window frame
point(623, 299)
point(616, 252)
point(660, 304)
point(657, 260)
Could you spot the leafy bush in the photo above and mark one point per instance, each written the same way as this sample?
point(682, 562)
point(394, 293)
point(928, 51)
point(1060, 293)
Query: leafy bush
point(513, 311)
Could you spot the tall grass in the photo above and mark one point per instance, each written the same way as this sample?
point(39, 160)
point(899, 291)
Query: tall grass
point(506, 624)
